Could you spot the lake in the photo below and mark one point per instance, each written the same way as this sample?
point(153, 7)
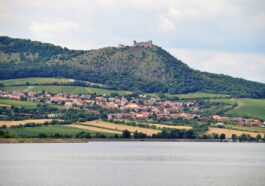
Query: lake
point(133, 164)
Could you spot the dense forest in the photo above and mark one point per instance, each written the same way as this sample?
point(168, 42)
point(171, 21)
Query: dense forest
point(128, 68)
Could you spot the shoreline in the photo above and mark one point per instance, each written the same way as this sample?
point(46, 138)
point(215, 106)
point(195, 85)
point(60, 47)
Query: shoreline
point(76, 140)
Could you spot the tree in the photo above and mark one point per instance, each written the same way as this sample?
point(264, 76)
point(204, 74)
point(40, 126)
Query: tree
point(242, 137)
point(139, 135)
point(258, 137)
point(216, 136)
point(222, 136)
point(42, 135)
point(126, 134)
point(234, 137)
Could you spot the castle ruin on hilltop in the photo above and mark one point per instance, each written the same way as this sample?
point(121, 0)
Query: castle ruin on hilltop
point(146, 44)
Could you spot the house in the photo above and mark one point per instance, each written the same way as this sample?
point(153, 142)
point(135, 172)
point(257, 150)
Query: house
point(68, 104)
point(142, 115)
point(220, 125)
point(220, 118)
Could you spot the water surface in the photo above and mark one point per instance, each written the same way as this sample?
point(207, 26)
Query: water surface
point(133, 163)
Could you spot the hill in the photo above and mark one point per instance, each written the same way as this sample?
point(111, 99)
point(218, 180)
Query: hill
point(128, 68)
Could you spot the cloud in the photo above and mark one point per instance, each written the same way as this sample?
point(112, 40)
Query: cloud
point(167, 26)
point(243, 65)
point(40, 28)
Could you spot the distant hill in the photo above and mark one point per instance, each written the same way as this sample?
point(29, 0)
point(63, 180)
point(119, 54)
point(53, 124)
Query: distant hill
point(137, 69)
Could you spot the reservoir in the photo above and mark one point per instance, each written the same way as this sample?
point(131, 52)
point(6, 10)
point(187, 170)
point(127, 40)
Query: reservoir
point(132, 164)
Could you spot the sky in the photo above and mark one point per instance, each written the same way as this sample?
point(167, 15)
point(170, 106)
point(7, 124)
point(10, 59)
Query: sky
point(219, 36)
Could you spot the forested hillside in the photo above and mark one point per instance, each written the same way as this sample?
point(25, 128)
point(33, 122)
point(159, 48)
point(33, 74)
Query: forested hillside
point(128, 68)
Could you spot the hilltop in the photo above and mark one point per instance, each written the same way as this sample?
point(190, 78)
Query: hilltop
point(140, 69)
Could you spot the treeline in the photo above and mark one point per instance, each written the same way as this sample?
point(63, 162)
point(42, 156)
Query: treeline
point(42, 111)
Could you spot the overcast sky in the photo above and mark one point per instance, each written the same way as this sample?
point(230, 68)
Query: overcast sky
point(220, 36)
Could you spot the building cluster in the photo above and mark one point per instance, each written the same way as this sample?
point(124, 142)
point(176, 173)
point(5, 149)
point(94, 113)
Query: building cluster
point(147, 44)
point(120, 107)
point(240, 120)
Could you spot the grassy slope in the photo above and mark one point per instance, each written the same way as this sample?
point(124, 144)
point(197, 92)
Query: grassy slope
point(49, 130)
point(250, 107)
point(254, 108)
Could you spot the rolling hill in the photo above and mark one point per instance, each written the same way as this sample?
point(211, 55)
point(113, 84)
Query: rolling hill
point(136, 69)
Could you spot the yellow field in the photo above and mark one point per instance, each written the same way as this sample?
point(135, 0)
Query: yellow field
point(228, 132)
point(94, 128)
point(161, 126)
point(119, 127)
point(23, 122)
point(4, 105)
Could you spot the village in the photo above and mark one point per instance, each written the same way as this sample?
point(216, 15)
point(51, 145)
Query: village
point(141, 107)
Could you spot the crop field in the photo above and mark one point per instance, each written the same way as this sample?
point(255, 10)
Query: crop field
point(249, 107)
point(159, 126)
point(23, 122)
point(119, 127)
point(48, 130)
point(228, 132)
point(95, 129)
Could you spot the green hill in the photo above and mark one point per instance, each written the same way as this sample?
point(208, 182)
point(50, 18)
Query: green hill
point(136, 69)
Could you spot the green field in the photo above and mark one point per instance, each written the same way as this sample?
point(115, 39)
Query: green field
point(18, 103)
point(201, 95)
point(23, 81)
point(65, 89)
point(44, 81)
point(49, 130)
point(249, 129)
point(197, 95)
point(25, 103)
point(249, 107)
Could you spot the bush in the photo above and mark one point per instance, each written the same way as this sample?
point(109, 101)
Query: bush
point(42, 135)
point(126, 134)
